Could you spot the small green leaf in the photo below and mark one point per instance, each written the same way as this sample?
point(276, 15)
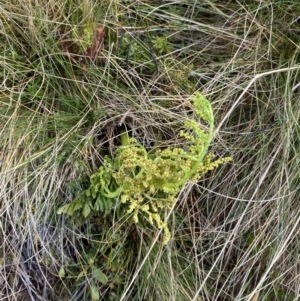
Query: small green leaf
point(61, 272)
point(88, 192)
point(93, 192)
point(100, 276)
point(76, 206)
point(99, 203)
point(86, 209)
point(94, 292)
point(63, 209)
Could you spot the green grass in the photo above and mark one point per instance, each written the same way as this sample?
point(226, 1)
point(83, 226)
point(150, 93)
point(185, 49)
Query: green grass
point(234, 233)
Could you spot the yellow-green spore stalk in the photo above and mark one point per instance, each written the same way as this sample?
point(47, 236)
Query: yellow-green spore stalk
point(148, 182)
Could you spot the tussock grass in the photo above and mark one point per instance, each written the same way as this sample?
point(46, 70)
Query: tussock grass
point(234, 233)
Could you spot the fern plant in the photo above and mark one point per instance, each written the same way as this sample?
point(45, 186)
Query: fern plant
point(147, 182)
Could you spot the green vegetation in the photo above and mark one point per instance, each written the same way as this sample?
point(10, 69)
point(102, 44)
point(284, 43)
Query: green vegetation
point(101, 119)
point(148, 182)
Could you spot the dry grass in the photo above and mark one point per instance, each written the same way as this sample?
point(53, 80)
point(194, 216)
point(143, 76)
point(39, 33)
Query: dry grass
point(235, 232)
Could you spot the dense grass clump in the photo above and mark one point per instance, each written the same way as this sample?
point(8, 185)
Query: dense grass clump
point(75, 75)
